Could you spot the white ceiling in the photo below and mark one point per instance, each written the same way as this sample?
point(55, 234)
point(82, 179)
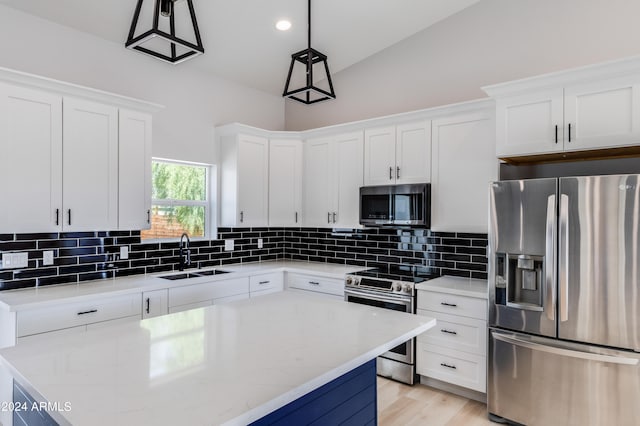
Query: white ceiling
point(239, 37)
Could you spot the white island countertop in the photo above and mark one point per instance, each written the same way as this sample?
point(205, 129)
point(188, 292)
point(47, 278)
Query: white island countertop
point(224, 364)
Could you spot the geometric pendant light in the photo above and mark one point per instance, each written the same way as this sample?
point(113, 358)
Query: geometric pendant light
point(160, 39)
point(309, 65)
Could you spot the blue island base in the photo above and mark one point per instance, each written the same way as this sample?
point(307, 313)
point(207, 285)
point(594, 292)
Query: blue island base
point(351, 399)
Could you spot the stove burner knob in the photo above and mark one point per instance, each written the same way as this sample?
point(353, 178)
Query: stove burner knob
point(397, 287)
point(349, 280)
point(407, 288)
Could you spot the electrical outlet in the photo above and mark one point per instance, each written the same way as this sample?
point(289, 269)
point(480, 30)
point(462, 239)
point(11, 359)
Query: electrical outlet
point(47, 257)
point(124, 252)
point(229, 245)
point(260, 243)
point(15, 260)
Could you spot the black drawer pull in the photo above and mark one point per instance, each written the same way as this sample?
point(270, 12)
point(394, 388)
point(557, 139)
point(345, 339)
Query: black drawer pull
point(148, 305)
point(444, 330)
point(453, 305)
point(314, 282)
point(264, 282)
point(93, 311)
point(453, 367)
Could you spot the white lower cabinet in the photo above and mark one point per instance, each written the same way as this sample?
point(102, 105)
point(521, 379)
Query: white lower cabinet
point(78, 314)
point(205, 294)
point(155, 303)
point(455, 350)
point(262, 284)
point(318, 285)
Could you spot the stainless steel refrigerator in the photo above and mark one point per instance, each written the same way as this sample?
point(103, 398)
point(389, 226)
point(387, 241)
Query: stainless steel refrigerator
point(564, 301)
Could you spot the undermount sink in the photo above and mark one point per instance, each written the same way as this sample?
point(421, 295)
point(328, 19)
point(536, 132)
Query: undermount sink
point(187, 275)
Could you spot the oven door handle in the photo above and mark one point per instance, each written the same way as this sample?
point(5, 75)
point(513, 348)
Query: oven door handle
point(381, 298)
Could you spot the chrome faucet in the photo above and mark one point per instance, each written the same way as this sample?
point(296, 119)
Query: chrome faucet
point(185, 252)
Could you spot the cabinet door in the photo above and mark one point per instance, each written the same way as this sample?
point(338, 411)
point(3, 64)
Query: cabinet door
point(31, 160)
point(348, 178)
point(285, 182)
point(413, 152)
point(253, 181)
point(134, 170)
point(380, 156)
point(603, 114)
point(463, 165)
point(155, 303)
point(317, 181)
point(527, 124)
point(90, 158)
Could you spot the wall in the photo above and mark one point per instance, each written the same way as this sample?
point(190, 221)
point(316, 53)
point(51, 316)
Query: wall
point(84, 256)
point(194, 102)
point(491, 42)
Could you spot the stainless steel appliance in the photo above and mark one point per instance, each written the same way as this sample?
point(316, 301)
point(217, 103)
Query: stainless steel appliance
point(564, 291)
point(389, 289)
point(396, 205)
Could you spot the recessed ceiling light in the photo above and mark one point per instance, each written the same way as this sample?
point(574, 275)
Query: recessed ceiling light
point(283, 25)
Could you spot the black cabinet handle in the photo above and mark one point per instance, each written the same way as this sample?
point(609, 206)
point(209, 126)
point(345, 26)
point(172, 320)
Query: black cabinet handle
point(296, 217)
point(453, 367)
point(148, 216)
point(314, 283)
point(69, 211)
point(92, 311)
point(556, 133)
point(334, 217)
point(328, 217)
point(57, 217)
point(453, 305)
point(398, 172)
point(444, 330)
point(148, 305)
point(390, 173)
point(569, 132)
point(264, 282)
point(241, 217)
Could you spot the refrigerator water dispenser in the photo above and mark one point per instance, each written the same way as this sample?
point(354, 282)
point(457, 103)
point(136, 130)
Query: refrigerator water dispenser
point(524, 281)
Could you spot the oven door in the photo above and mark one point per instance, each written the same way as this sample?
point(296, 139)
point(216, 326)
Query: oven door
point(403, 352)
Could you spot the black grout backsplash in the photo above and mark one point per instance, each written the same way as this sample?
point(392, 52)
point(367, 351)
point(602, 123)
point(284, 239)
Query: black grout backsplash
point(83, 256)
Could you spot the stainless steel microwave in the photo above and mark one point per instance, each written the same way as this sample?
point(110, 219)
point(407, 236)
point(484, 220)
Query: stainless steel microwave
point(396, 205)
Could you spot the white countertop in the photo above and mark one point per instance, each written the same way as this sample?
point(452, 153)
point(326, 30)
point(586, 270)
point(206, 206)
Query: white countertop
point(470, 287)
point(16, 300)
point(231, 363)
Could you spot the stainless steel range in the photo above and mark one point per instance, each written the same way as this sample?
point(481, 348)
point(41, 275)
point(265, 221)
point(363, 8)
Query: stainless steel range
point(389, 289)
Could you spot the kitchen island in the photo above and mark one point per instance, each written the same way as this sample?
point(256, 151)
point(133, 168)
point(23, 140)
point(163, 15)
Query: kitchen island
point(225, 364)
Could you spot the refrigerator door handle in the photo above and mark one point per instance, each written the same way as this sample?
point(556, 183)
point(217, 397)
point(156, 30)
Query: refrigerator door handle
point(564, 352)
point(550, 264)
point(563, 257)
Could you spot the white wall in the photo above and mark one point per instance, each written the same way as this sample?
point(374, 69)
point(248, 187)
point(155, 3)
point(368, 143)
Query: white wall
point(490, 42)
point(194, 102)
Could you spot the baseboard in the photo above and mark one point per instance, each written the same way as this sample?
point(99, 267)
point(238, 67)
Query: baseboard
point(457, 390)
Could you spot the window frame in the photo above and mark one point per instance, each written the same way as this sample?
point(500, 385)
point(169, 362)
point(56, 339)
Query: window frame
point(207, 203)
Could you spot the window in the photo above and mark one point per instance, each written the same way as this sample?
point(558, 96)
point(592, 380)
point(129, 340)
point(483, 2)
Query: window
point(180, 200)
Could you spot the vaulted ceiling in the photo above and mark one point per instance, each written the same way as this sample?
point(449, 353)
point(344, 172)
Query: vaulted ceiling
point(239, 36)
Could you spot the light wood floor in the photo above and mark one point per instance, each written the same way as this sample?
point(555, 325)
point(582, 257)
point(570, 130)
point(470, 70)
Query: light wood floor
point(402, 405)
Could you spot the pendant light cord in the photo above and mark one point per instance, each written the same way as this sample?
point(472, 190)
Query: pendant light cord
point(309, 23)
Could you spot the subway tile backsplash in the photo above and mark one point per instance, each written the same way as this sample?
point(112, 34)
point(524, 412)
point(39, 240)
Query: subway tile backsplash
point(83, 256)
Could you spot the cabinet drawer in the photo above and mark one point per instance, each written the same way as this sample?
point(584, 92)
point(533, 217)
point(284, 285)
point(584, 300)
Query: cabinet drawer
point(452, 304)
point(317, 284)
point(208, 291)
point(456, 332)
point(451, 366)
point(76, 314)
point(273, 281)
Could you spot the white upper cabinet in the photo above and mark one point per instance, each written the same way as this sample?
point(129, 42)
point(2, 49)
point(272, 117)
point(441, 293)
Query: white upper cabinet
point(285, 182)
point(602, 114)
point(333, 175)
point(134, 170)
point(530, 124)
point(590, 108)
point(90, 173)
point(463, 165)
point(398, 154)
point(31, 162)
point(317, 182)
point(244, 161)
